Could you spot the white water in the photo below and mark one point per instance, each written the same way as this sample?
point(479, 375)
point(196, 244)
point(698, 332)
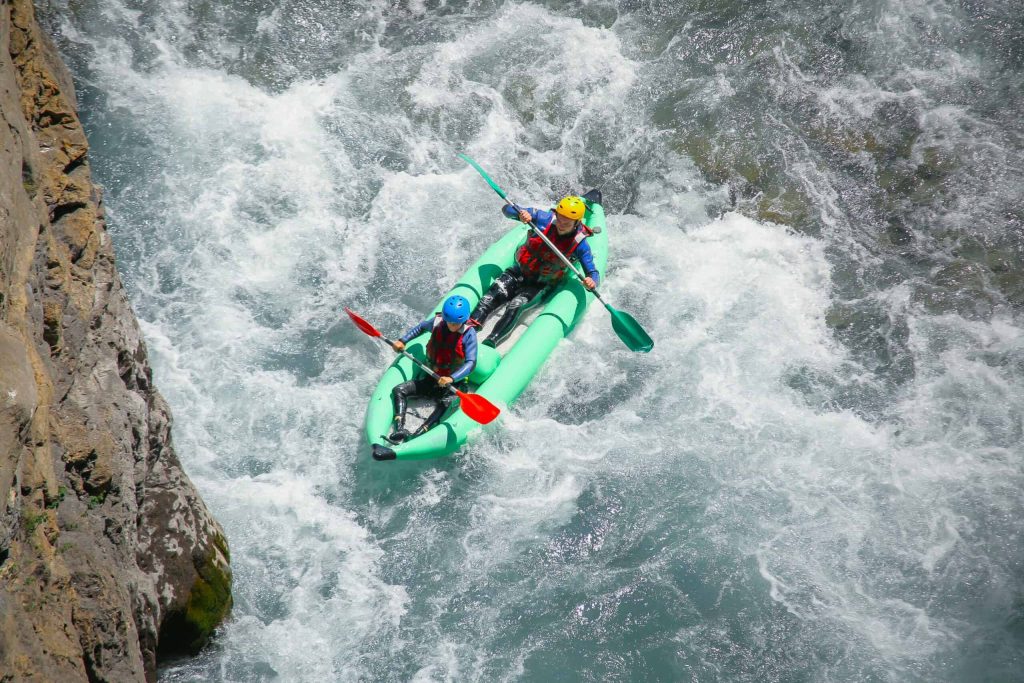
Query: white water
point(707, 511)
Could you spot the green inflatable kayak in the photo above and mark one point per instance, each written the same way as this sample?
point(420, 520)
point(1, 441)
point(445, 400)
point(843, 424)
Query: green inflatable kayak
point(500, 374)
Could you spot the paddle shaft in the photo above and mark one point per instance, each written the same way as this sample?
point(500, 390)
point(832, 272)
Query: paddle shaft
point(414, 359)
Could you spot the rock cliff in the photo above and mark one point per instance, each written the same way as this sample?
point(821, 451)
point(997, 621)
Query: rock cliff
point(108, 556)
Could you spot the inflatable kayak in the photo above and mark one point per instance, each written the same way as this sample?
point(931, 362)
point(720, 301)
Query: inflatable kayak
point(501, 374)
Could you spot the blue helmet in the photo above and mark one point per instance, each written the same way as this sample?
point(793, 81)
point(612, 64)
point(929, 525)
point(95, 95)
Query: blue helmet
point(455, 309)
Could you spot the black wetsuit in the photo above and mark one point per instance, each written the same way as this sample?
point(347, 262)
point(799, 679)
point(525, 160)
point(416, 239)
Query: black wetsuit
point(510, 287)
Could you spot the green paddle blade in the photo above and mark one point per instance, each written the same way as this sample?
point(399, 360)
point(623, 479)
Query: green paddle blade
point(483, 173)
point(629, 331)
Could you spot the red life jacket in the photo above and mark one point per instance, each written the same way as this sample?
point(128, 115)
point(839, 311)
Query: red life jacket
point(536, 259)
point(444, 349)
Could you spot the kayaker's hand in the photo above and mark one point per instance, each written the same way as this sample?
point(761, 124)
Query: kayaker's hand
point(525, 216)
point(398, 346)
point(444, 381)
point(589, 283)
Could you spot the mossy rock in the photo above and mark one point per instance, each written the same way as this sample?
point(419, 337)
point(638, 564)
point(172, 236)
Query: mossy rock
point(28, 180)
point(1004, 260)
point(771, 198)
point(841, 139)
point(898, 181)
point(897, 233)
point(897, 122)
point(840, 316)
point(787, 207)
point(749, 169)
point(971, 248)
point(1011, 285)
point(222, 545)
point(706, 157)
point(188, 630)
point(937, 163)
point(601, 15)
point(957, 288)
point(209, 602)
point(961, 276)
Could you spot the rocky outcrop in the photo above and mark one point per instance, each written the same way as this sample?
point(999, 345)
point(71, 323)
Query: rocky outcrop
point(108, 557)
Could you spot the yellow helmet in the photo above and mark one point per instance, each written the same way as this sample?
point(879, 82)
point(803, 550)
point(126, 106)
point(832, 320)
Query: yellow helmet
point(571, 207)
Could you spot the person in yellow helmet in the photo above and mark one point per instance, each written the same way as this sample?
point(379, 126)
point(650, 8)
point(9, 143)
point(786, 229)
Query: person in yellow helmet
point(537, 268)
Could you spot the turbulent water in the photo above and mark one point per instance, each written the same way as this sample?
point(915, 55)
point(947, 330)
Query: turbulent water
point(814, 208)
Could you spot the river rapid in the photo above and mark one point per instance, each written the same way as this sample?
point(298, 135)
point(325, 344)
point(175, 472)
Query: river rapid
point(815, 208)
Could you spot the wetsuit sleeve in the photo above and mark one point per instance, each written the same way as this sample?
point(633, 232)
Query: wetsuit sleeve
point(539, 216)
point(417, 330)
point(586, 258)
point(469, 347)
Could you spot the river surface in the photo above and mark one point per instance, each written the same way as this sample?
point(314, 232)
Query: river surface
point(815, 208)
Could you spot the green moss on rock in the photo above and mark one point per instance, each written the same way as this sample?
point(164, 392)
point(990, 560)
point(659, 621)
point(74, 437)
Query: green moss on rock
point(209, 602)
point(937, 163)
point(842, 139)
point(787, 207)
point(1011, 284)
point(221, 544)
point(840, 316)
point(706, 156)
point(187, 630)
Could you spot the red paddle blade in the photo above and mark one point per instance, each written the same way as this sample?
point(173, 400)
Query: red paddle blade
point(362, 324)
point(478, 408)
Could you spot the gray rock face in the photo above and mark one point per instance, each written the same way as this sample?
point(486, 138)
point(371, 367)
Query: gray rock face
point(107, 554)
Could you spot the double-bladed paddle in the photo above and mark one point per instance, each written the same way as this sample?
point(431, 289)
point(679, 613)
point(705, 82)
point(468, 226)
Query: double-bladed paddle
point(475, 406)
point(625, 326)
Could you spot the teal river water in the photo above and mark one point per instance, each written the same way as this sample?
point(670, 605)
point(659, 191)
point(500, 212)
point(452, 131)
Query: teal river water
point(814, 207)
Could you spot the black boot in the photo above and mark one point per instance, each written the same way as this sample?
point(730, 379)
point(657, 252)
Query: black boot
point(398, 397)
point(399, 435)
point(524, 299)
point(440, 408)
point(503, 328)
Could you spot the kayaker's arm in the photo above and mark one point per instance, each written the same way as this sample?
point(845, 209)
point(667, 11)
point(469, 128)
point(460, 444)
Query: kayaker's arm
point(538, 216)
point(586, 259)
point(415, 331)
point(469, 347)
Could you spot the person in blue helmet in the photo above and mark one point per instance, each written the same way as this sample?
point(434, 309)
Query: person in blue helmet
point(537, 268)
point(451, 353)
